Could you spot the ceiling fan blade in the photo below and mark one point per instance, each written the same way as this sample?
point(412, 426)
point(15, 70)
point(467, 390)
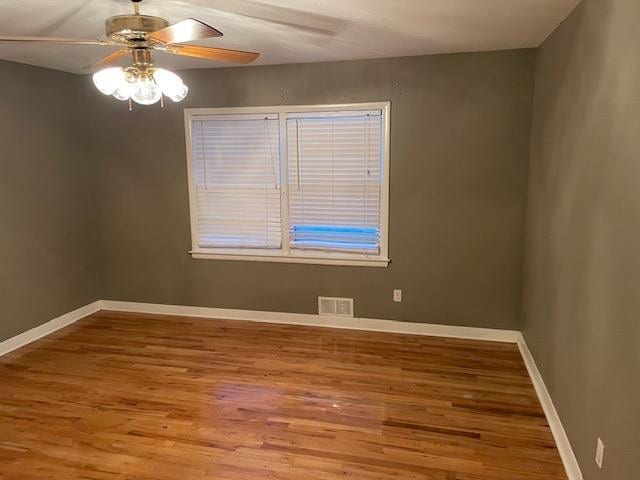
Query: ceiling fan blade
point(185, 31)
point(112, 57)
point(68, 41)
point(210, 53)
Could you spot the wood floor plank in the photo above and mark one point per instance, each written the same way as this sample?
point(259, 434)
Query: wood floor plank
point(148, 397)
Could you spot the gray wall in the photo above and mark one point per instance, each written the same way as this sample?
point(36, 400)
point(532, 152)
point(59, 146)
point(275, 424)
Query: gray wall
point(582, 263)
point(48, 248)
point(459, 160)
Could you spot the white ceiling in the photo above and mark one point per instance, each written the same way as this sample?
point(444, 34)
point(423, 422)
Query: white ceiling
point(291, 31)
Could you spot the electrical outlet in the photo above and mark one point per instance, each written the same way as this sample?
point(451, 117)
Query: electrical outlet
point(397, 295)
point(599, 453)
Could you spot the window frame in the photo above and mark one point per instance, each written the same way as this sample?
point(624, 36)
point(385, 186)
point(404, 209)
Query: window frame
point(286, 254)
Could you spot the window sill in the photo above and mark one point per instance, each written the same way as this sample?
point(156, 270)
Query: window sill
point(318, 260)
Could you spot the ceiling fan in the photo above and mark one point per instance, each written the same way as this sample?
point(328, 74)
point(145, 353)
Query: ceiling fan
point(139, 35)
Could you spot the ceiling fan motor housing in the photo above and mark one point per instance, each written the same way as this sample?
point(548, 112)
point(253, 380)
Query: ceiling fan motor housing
point(126, 28)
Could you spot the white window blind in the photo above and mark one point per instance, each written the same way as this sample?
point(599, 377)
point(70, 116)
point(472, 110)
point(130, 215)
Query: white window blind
point(335, 180)
point(290, 183)
point(236, 175)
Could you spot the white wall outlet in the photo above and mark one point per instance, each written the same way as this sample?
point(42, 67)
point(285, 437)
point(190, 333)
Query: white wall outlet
point(599, 453)
point(397, 295)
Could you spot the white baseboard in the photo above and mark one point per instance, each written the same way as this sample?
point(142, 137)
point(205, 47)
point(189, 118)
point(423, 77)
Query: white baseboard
point(569, 460)
point(511, 336)
point(51, 326)
point(369, 324)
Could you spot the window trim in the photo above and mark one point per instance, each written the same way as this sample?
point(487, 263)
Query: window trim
point(285, 254)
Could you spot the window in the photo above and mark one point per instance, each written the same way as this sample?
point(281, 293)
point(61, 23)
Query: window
point(305, 184)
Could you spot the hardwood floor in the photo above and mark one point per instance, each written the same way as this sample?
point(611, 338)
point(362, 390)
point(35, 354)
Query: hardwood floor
point(124, 396)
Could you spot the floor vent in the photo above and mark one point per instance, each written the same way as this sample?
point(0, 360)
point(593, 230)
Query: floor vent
point(335, 306)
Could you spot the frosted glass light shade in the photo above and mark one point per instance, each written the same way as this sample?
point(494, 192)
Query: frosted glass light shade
point(145, 92)
point(170, 84)
point(123, 92)
point(109, 79)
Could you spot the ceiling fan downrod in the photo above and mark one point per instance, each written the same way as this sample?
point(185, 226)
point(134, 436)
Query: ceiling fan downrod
point(136, 7)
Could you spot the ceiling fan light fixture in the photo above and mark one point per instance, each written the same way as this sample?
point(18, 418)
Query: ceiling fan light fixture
point(143, 85)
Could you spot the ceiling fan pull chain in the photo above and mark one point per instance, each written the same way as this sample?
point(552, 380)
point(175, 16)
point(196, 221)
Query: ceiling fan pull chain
point(130, 105)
